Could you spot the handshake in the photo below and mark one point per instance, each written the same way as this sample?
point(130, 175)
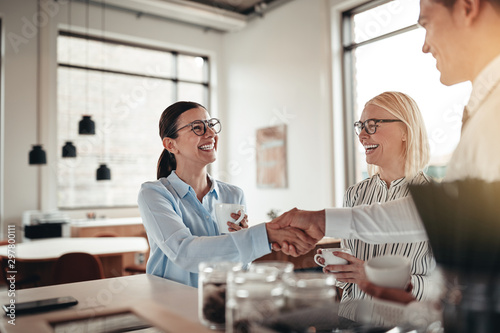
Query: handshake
point(296, 232)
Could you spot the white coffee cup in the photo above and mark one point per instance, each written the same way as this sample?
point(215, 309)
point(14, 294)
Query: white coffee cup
point(389, 271)
point(330, 258)
point(223, 213)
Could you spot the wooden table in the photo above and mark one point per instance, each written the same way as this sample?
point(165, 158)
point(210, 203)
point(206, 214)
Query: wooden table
point(163, 303)
point(38, 257)
point(305, 261)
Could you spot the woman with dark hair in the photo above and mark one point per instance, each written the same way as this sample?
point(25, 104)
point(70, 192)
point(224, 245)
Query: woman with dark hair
point(178, 209)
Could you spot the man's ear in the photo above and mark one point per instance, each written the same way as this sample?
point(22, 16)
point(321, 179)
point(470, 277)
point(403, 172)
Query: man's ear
point(169, 144)
point(470, 9)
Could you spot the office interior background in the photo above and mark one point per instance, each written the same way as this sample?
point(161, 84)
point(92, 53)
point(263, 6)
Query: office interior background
point(307, 64)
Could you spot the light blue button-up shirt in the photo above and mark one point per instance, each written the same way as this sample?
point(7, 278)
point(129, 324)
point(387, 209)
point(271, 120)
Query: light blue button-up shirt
point(178, 224)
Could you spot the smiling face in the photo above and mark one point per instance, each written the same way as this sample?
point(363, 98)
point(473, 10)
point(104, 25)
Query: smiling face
point(191, 150)
point(386, 147)
point(444, 39)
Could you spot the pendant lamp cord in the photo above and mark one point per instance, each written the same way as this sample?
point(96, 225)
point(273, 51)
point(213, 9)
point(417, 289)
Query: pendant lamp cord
point(68, 114)
point(87, 56)
point(38, 98)
point(103, 133)
point(39, 79)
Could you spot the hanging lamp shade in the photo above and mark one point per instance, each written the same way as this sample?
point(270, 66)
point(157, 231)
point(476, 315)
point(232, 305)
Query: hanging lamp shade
point(69, 150)
point(103, 173)
point(86, 126)
point(37, 155)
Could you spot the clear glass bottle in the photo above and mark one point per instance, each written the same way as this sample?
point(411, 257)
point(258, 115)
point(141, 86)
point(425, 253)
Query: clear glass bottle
point(253, 297)
point(212, 292)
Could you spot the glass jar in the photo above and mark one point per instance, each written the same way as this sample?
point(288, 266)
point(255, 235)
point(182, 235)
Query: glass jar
point(212, 292)
point(281, 268)
point(253, 297)
point(309, 290)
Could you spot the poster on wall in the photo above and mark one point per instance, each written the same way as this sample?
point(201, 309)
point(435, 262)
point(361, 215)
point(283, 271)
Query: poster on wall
point(271, 157)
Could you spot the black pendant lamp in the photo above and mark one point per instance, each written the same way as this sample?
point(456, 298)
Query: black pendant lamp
point(103, 173)
point(86, 126)
point(69, 150)
point(37, 155)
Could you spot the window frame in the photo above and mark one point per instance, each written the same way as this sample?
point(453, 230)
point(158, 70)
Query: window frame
point(348, 46)
point(206, 82)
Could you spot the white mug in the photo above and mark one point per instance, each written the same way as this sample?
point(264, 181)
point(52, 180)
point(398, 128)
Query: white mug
point(330, 258)
point(223, 213)
point(389, 271)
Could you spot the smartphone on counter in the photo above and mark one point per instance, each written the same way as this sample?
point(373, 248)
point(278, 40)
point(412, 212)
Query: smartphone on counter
point(40, 305)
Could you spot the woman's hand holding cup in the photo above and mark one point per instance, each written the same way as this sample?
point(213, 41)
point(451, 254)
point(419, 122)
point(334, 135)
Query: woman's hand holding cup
point(331, 257)
point(235, 226)
point(352, 272)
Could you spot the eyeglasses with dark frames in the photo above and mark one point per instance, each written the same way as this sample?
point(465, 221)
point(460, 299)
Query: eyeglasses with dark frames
point(199, 127)
point(370, 125)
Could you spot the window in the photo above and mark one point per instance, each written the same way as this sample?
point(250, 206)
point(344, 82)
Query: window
point(383, 51)
point(124, 88)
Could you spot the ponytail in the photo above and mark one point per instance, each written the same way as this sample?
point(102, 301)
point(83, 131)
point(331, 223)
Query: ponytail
point(166, 164)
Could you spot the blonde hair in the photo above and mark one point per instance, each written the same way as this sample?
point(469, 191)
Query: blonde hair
point(417, 149)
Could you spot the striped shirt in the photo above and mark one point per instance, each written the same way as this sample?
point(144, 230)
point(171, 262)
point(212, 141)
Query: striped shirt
point(374, 190)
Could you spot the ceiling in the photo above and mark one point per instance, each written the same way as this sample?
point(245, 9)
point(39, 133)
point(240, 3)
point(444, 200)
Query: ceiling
point(220, 15)
point(244, 7)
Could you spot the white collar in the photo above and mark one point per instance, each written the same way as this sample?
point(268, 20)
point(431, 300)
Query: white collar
point(484, 83)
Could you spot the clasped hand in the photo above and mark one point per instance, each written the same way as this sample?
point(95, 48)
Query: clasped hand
point(310, 223)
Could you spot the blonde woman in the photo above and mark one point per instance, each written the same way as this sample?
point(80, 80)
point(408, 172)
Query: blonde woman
point(392, 131)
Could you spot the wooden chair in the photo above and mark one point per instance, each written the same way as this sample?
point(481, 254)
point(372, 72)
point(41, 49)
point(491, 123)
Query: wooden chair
point(76, 267)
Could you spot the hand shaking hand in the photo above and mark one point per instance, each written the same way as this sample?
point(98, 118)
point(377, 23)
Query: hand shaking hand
point(297, 239)
point(312, 223)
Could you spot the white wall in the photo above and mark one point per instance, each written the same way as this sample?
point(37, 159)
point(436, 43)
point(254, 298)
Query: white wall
point(20, 187)
point(277, 70)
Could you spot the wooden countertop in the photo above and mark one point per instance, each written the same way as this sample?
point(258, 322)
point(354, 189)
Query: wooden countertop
point(163, 303)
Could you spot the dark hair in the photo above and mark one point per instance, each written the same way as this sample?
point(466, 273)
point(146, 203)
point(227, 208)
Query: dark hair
point(450, 3)
point(168, 128)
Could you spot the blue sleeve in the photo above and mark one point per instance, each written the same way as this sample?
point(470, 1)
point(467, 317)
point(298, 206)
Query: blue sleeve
point(166, 229)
